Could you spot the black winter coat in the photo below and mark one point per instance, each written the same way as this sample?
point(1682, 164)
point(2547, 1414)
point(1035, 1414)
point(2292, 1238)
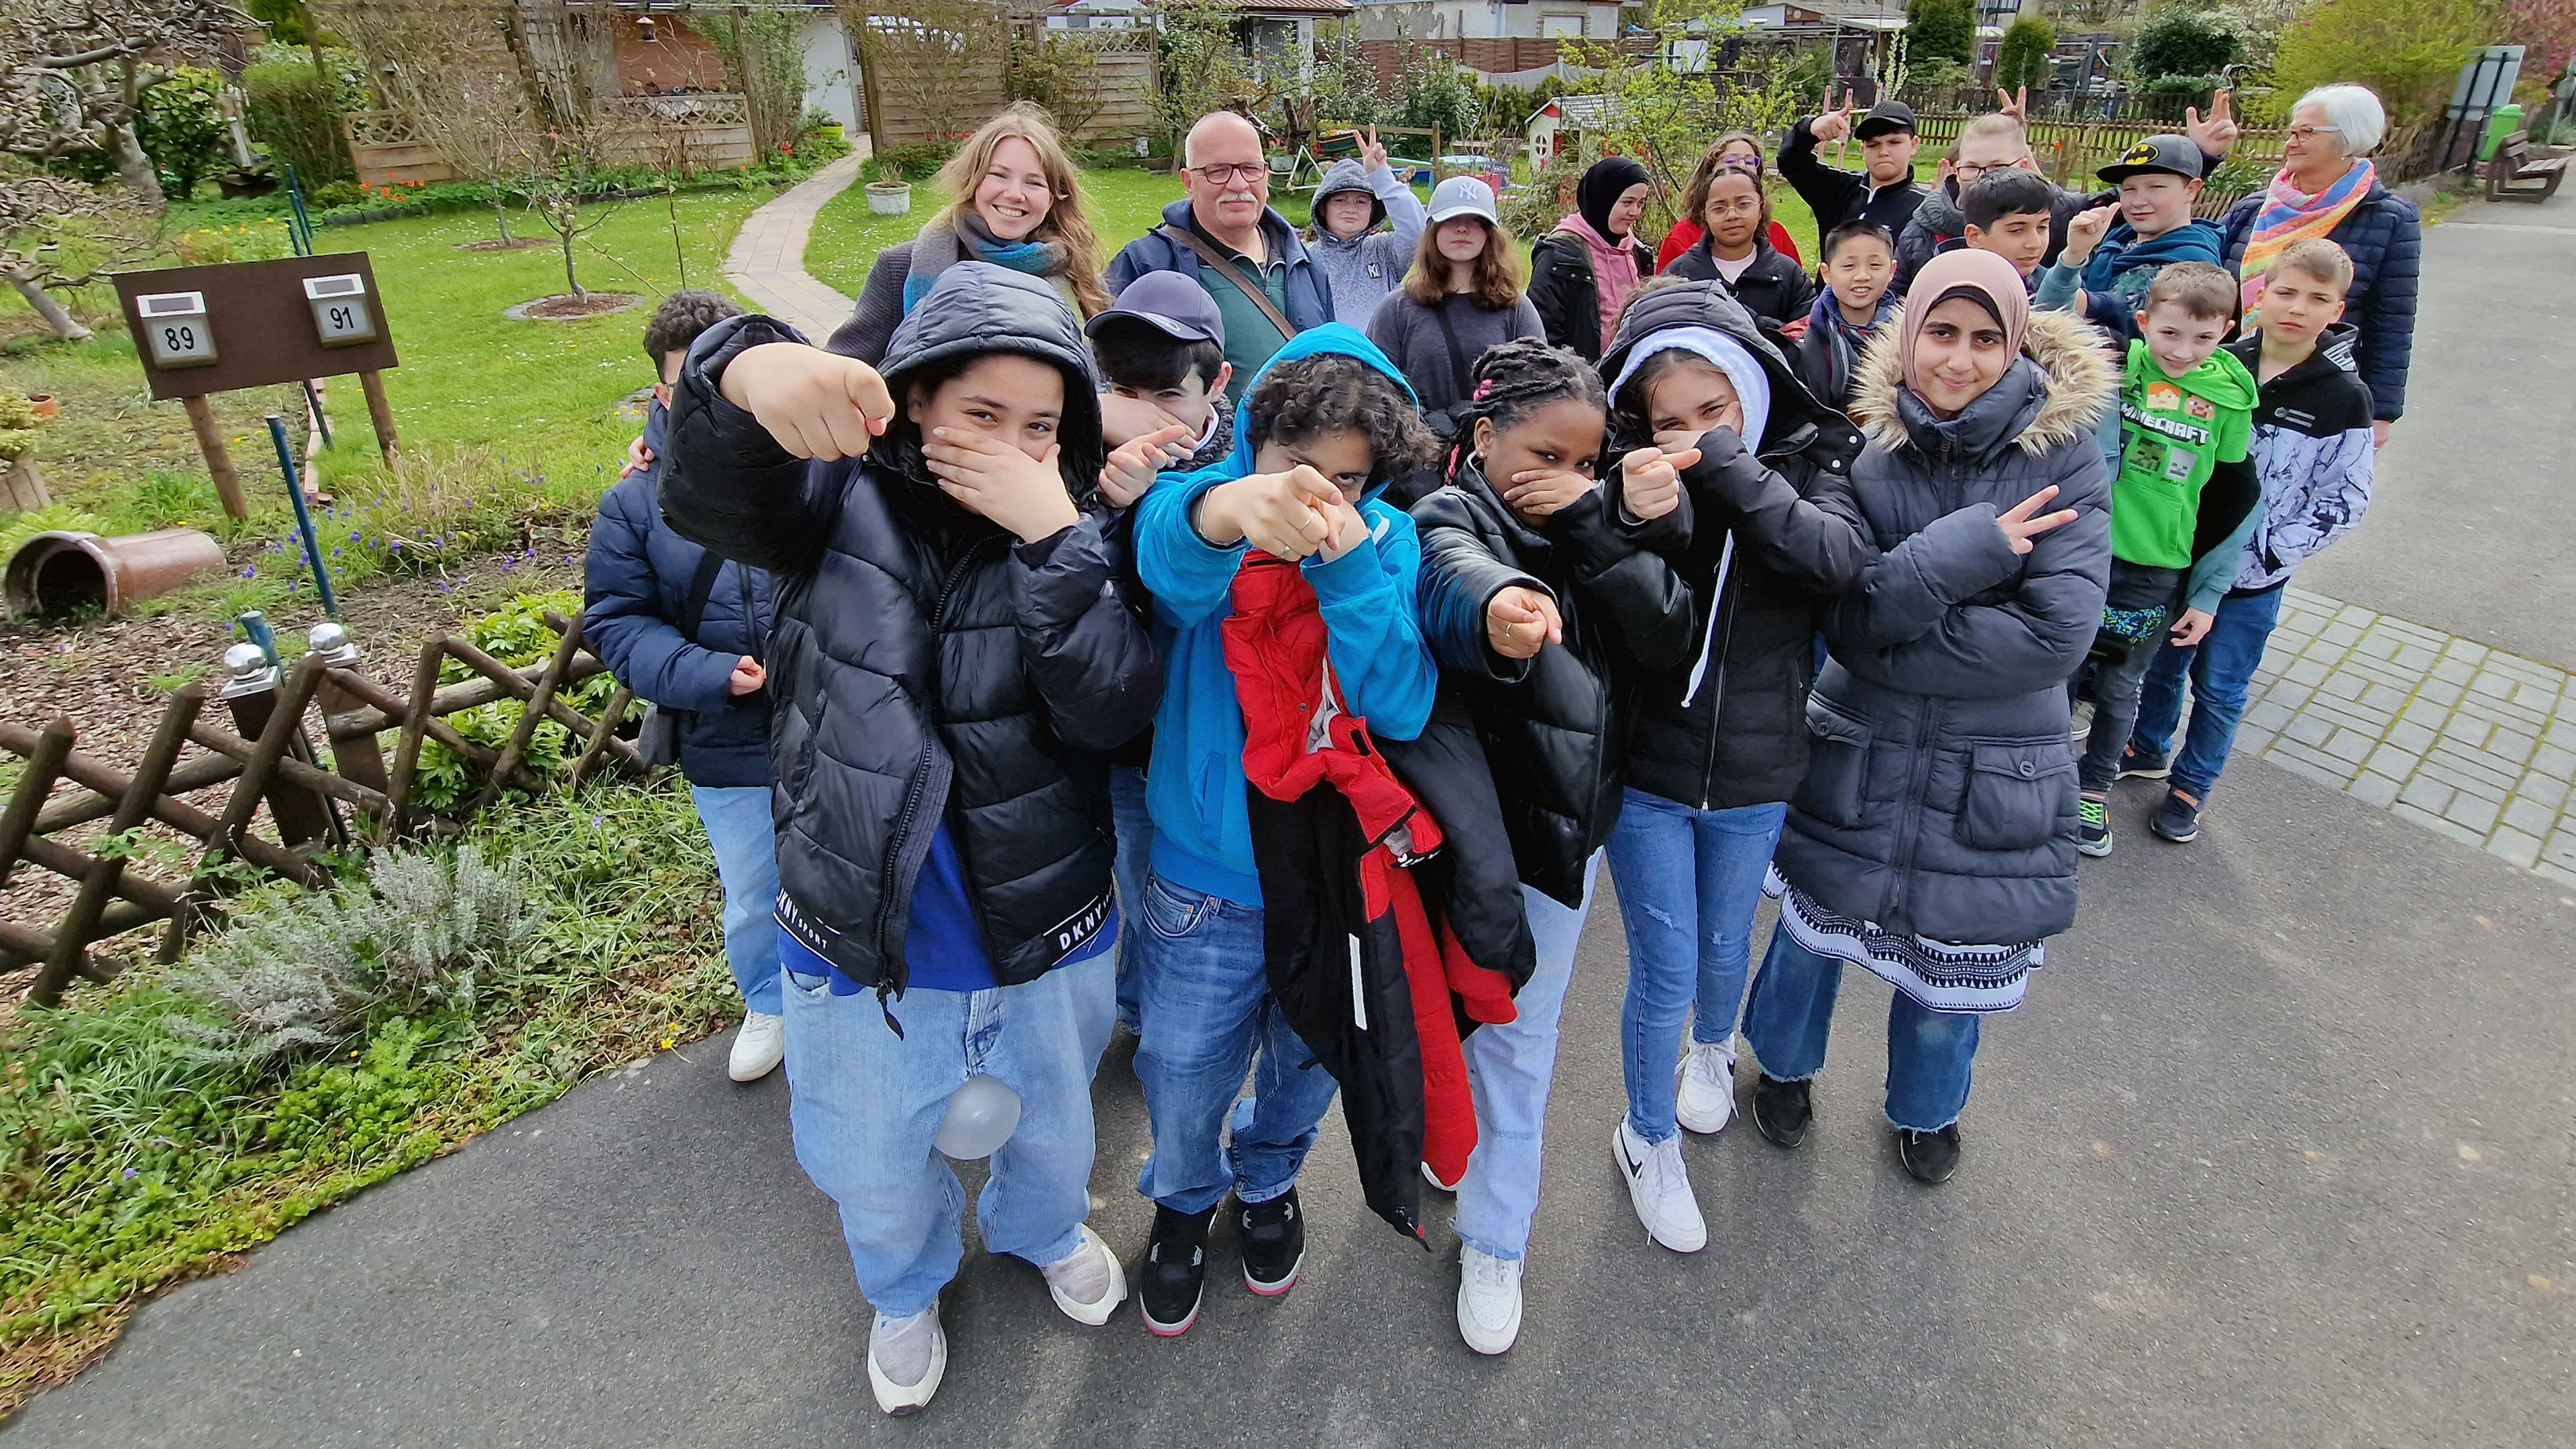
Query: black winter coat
point(1774, 289)
point(925, 664)
point(1554, 726)
point(1568, 296)
point(1941, 799)
point(636, 582)
point(1742, 737)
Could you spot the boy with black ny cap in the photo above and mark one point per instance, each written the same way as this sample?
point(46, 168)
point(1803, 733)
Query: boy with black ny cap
point(1884, 192)
point(2114, 252)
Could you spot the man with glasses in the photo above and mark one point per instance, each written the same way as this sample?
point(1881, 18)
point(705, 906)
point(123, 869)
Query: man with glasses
point(1226, 237)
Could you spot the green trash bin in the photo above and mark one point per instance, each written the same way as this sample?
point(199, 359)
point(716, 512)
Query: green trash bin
point(2503, 121)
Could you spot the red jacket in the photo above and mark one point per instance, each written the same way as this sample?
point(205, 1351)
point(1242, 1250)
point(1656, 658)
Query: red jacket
point(1370, 975)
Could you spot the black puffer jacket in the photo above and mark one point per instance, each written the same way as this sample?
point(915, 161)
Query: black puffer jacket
point(925, 665)
point(1742, 739)
point(1774, 288)
point(1941, 798)
point(1568, 296)
point(1553, 725)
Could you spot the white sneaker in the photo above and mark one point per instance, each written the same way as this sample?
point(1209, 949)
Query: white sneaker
point(906, 1359)
point(759, 1045)
point(1705, 1099)
point(1659, 1187)
point(1087, 1283)
point(1489, 1300)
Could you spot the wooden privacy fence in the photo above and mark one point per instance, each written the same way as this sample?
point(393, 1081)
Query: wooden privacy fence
point(2070, 151)
point(267, 757)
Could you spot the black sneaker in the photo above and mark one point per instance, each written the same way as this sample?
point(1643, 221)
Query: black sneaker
point(1272, 1236)
point(1175, 1271)
point(1781, 1111)
point(2179, 820)
point(2093, 826)
point(2136, 764)
point(1929, 1156)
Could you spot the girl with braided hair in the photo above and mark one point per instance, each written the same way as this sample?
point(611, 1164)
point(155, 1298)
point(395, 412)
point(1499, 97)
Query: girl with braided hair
point(1541, 603)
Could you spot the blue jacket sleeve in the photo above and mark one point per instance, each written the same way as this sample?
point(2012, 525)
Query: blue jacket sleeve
point(1188, 576)
point(1133, 260)
point(1372, 634)
point(2388, 315)
point(622, 617)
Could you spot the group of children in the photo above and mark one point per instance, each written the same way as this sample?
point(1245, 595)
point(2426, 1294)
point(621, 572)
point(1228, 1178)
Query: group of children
point(1009, 665)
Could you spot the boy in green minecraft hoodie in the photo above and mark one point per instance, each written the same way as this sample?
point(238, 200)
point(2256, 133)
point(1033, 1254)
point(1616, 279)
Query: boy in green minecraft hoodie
point(2182, 501)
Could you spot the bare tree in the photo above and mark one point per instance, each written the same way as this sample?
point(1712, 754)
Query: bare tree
point(944, 58)
point(73, 74)
point(59, 233)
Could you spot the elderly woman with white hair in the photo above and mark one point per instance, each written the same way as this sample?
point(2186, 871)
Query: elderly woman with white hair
point(2328, 188)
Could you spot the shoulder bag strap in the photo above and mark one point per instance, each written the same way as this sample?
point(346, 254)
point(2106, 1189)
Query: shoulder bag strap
point(1458, 371)
point(1209, 257)
point(701, 584)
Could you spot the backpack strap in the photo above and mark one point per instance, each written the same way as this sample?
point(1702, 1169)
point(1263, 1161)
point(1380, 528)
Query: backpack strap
point(1210, 257)
point(701, 584)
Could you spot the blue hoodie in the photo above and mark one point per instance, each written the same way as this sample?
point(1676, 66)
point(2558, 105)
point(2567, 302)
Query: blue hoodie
point(2124, 266)
point(1195, 786)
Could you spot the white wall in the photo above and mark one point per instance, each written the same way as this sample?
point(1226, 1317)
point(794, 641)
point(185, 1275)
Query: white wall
point(831, 76)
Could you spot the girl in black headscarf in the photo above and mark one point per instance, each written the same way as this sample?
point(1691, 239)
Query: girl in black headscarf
point(1582, 272)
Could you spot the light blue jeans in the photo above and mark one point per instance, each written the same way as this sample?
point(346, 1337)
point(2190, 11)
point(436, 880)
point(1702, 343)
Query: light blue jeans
point(1208, 1016)
point(1689, 884)
point(1135, 847)
point(746, 847)
point(1509, 1068)
point(866, 1104)
point(1930, 1054)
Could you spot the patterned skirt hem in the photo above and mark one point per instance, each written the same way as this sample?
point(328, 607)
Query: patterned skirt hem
point(1938, 975)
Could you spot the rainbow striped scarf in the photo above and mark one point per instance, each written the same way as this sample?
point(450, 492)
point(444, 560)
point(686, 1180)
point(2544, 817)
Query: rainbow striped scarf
point(2290, 215)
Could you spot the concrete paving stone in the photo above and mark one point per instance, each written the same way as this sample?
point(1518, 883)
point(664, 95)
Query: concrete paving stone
point(2454, 670)
point(2253, 741)
point(2378, 644)
point(2476, 814)
point(2468, 649)
point(2511, 744)
point(2526, 814)
point(2311, 729)
point(2551, 760)
point(2556, 873)
point(2351, 745)
point(2428, 794)
point(2561, 850)
point(2356, 614)
point(2411, 737)
point(2414, 658)
point(2290, 693)
point(2542, 698)
point(2504, 712)
point(2514, 846)
point(2385, 699)
point(2345, 712)
point(2439, 826)
point(2375, 789)
point(2543, 790)
point(2268, 714)
point(2379, 674)
point(2391, 761)
point(2562, 734)
point(2489, 682)
point(2441, 692)
point(2298, 760)
point(2344, 684)
point(2467, 732)
point(2452, 771)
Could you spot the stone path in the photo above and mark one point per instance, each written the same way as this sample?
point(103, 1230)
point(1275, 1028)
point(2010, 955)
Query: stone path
point(2471, 742)
point(767, 264)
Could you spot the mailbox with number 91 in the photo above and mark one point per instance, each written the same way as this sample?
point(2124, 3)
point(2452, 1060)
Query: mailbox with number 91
point(341, 315)
point(175, 333)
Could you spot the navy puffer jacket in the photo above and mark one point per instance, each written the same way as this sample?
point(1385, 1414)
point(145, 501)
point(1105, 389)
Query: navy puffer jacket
point(636, 585)
point(1940, 798)
point(926, 665)
point(2384, 236)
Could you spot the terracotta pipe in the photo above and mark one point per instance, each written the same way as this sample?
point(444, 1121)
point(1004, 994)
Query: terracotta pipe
point(61, 571)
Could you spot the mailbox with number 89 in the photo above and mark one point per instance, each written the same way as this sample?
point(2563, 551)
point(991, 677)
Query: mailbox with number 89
point(175, 333)
point(341, 316)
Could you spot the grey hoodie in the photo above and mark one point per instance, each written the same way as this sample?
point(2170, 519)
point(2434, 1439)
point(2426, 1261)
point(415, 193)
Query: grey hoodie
point(1363, 270)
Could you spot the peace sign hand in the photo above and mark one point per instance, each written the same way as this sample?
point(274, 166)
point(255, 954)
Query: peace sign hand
point(2217, 131)
point(2020, 527)
point(1372, 152)
point(2017, 105)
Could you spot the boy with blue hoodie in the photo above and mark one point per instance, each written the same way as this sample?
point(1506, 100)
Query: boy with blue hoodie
point(2113, 254)
point(1323, 428)
point(1360, 261)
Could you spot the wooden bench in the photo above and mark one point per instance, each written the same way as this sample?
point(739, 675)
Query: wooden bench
point(2514, 176)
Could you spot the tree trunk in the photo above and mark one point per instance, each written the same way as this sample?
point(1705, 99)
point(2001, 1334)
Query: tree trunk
point(575, 282)
point(500, 214)
point(48, 308)
point(22, 487)
point(136, 169)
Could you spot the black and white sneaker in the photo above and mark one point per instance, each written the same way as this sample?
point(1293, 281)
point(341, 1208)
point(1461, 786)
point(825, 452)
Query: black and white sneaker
point(1174, 1273)
point(2136, 764)
point(1272, 1236)
point(2179, 818)
point(1929, 1156)
point(2093, 825)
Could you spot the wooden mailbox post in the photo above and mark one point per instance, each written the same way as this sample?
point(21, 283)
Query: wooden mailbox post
point(202, 330)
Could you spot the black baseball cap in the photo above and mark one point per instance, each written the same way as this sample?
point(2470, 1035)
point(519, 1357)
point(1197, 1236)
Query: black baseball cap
point(1884, 117)
point(1170, 303)
point(2166, 155)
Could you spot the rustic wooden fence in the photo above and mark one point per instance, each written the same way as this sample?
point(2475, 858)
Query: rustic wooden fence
point(267, 757)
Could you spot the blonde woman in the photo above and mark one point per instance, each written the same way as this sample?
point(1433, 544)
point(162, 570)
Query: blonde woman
point(1015, 201)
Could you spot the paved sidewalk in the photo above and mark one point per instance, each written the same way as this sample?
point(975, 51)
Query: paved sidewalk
point(767, 264)
point(2467, 741)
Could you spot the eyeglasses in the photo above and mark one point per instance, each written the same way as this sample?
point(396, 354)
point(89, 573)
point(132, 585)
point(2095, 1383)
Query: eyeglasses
point(1223, 174)
point(2310, 133)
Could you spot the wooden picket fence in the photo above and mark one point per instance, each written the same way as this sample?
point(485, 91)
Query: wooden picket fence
point(268, 757)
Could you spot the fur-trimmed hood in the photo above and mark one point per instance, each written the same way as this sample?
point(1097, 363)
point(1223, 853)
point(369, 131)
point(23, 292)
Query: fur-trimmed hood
point(2053, 393)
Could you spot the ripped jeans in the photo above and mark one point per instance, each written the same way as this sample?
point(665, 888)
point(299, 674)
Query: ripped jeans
point(1689, 883)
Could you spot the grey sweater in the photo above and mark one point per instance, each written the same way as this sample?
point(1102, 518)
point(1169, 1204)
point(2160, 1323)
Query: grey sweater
point(1364, 269)
point(1411, 335)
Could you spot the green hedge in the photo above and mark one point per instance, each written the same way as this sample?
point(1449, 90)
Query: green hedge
point(296, 114)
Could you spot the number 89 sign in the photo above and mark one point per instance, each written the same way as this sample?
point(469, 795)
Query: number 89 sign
point(175, 332)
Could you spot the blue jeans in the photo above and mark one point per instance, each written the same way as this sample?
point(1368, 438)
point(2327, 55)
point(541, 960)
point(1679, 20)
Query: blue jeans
point(746, 847)
point(1135, 847)
point(2222, 669)
point(1689, 882)
point(1929, 1052)
point(1509, 1067)
point(1208, 1015)
point(866, 1104)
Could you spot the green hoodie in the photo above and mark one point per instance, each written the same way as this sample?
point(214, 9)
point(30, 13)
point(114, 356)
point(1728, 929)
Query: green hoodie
point(2174, 434)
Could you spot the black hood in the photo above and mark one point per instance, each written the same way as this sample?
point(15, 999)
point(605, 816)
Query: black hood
point(1795, 413)
point(978, 308)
